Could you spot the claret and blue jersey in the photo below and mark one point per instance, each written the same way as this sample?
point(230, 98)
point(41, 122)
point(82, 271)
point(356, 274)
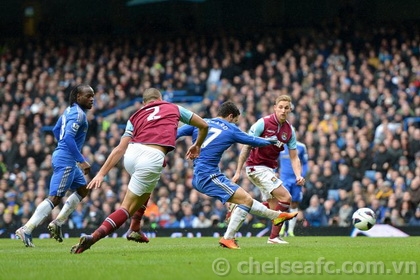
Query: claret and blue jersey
point(267, 127)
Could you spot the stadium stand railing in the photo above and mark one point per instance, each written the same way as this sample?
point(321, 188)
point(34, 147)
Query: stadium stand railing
point(176, 96)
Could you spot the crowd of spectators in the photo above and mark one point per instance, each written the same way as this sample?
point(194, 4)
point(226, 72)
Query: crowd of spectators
point(356, 96)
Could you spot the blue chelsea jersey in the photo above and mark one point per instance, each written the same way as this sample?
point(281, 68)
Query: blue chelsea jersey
point(286, 170)
point(71, 127)
point(221, 135)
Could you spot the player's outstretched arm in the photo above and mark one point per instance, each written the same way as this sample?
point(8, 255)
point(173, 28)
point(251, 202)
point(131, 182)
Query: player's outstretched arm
point(246, 149)
point(110, 162)
point(194, 151)
point(297, 168)
point(96, 182)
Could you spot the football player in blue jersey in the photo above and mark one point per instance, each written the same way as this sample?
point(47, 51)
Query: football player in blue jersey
point(69, 166)
point(287, 175)
point(208, 178)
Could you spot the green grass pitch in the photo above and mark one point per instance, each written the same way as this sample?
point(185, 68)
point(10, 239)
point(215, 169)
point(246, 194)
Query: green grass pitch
point(202, 258)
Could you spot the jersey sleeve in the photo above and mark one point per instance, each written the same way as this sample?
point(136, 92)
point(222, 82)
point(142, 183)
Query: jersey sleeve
point(57, 128)
point(185, 130)
point(257, 128)
point(185, 115)
point(292, 144)
point(243, 138)
point(72, 126)
point(129, 128)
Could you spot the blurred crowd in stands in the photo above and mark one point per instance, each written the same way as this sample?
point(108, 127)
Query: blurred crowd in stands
point(356, 96)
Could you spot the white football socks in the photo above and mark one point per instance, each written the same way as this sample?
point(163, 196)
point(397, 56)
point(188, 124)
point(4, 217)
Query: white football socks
point(41, 212)
point(259, 209)
point(68, 208)
point(236, 220)
point(292, 222)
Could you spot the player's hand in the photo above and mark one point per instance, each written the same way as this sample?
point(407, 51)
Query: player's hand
point(273, 140)
point(236, 177)
point(96, 182)
point(300, 181)
point(85, 166)
point(193, 152)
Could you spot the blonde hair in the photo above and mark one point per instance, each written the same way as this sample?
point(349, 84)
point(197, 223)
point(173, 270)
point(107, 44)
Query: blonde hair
point(283, 97)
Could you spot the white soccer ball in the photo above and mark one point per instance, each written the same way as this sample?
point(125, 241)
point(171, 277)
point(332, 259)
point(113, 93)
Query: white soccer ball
point(364, 218)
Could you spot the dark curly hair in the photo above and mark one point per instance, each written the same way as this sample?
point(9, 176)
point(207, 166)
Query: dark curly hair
point(75, 91)
point(228, 108)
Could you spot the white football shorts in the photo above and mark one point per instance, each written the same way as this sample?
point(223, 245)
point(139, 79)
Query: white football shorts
point(145, 165)
point(264, 178)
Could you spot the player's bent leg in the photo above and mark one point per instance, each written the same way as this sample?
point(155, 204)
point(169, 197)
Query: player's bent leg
point(236, 221)
point(41, 213)
point(242, 204)
point(135, 223)
point(240, 196)
point(132, 202)
point(281, 194)
point(280, 202)
point(69, 206)
point(276, 217)
point(108, 226)
point(134, 233)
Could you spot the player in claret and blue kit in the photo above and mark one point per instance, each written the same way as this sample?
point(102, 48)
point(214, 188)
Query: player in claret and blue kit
point(149, 135)
point(261, 162)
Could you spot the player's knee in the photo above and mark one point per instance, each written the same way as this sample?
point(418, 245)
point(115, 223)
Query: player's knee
point(243, 199)
point(55, 200)
point(248, 201)
point(282, 194)
point(83, 191)
point(294, 204)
